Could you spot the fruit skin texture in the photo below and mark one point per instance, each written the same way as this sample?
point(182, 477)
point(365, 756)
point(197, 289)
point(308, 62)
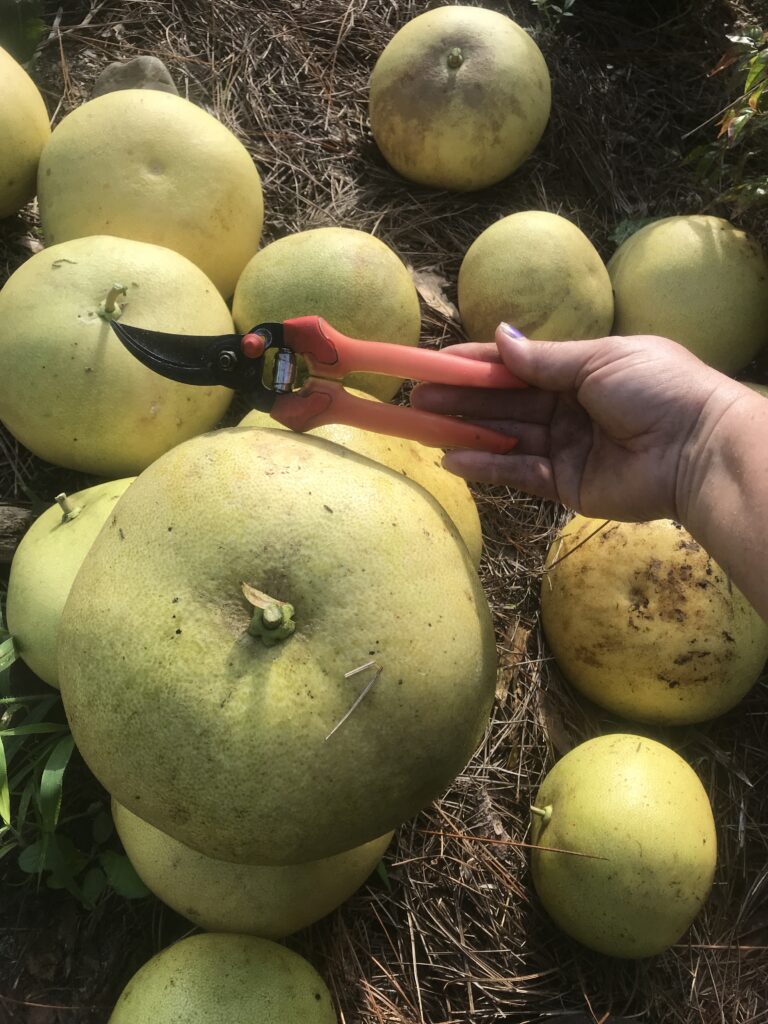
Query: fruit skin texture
point(643, 622)
point(44, 567)
point(225, 979)
point(69, 390)
point(638, 804)
point(466, 127)
point(538, 272)
point(219, 740)
point(697, 280)
point(153, 167)
point(348, 277)
point(24, 130)
point(246, 898)
point(415, 461)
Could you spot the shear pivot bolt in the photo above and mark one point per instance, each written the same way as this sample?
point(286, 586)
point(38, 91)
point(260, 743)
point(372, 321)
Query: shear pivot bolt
point(227, 360)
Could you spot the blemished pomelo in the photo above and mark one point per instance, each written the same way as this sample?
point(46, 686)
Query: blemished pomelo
point(641, 816)
point(194, 719)
point(348, 277)
point(44, 566)
point(246, 898)
point(225, 979)
point(24, 130)
point(643, 622)
point(69, 390)
point(459, 98)
point(698, 280)
point(415, 461)
point(540, 273)
point(153, 167)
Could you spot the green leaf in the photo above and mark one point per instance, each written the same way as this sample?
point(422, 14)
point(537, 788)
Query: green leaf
point(381, 871)
point(103, 827)
point(5, 793)
point(21, 28)
point(32, 858)
point(64, 861)
point(52, 781)
point(35, 729)
point(626, 228)
point(122, 876)
point(92, 887)
point(7, 651)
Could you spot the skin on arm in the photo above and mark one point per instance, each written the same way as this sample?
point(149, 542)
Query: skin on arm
point(631, 429)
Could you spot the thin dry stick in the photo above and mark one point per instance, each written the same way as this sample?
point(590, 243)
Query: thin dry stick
point(361, 698)
point(509, 842)
point(576, 547)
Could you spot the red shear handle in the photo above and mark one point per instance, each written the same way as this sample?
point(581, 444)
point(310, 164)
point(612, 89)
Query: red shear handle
point(332, 354)
point(321, 402)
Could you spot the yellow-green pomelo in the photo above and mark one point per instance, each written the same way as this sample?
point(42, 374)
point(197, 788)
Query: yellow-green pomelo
point(69, 390)
point(153, 167)
point(459, 98)
point(697, 280)
point(225, 979)
point(228, 745)
point(416, 461)
point(24, 130)
point(643, 622)
point(44, 566)
point(641, 816)
point(538, 272)
point(247, 898)
point(348, 277)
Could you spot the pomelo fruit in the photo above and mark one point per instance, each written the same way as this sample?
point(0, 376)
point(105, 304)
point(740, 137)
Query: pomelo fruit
point(69, 390)
point(194, 720)
point(459, 98)
point(416, 461)
point(643, 622)
point(225, 979)
point(44, 566)
point(698, 280)
point(153, 167)
point(538, 272)
point(246, 898)
point(24, 130)
point(348, 277)
point(641, 816)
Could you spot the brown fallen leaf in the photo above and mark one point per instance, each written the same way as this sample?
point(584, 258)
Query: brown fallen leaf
point(513, 648)
point(431, 287)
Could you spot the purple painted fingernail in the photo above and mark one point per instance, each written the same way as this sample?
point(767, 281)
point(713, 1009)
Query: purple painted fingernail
point(510, 331)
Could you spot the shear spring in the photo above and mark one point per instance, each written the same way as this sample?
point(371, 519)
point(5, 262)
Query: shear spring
point(284, 373)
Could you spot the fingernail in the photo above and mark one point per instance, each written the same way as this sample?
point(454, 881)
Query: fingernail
point(510, 331)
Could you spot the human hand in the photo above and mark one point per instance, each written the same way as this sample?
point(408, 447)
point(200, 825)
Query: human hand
point(607, 427)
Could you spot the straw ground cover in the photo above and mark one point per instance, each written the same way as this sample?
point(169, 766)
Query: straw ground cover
point(450, 931)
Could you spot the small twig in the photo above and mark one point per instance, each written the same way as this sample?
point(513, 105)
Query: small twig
point(576, 547)
point(509, 842)
point(366, 690)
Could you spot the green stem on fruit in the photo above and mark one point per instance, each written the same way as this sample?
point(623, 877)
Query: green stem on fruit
point(70, 511)
point(545, 813)
point(455, 58)
point(110, 310)
point(272, 620)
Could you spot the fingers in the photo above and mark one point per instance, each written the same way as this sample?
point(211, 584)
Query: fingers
point(532, 439)
point(484, 350)
point(524, 404)
point(549, 365)
point(529, 473)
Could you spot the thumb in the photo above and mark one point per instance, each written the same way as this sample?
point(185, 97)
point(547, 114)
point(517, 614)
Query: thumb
point(549, 365)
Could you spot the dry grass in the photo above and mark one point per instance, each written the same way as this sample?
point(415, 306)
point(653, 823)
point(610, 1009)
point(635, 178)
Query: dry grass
point(458, 935)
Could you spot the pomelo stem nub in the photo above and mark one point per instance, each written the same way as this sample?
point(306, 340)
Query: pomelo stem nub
point(545, 813)
point(110, 309)
point(70, 511)
point(455, 58)
point(272, 620)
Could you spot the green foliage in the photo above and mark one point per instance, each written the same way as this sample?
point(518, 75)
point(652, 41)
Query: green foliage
point(553, 11)
point(626, 228)
point(734, 164)
point(21, 27)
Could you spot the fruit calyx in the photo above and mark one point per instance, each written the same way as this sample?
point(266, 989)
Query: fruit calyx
point(545, 813)
point(70, 511)
point(109, 309)
point(455, 58)
point(272, 620)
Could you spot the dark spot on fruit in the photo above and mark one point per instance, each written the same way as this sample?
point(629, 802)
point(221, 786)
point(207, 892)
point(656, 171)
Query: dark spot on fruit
point(120, 532)
point(178, 632)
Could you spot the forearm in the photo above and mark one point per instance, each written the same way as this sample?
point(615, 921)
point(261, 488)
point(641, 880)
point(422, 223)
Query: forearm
point(723, 490)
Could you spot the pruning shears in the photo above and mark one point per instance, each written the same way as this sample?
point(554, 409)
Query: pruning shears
point(238, 361)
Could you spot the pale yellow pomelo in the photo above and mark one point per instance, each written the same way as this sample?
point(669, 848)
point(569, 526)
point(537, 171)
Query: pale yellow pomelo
point(348, 277)
point(415, 461)
point(153, 167)
point(247, 898)
point(44, 566)
point(698, 280)
point(643, 622)
point(69, 390)
point(459, 98)
point(24, 130)
point(642, 817)
point(225, 979)
point(193, 721)
point(538, 272)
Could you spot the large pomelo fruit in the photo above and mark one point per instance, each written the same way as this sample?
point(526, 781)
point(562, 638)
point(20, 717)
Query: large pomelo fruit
point(459, 98)
point(698, 280)
point(250, 899)
point(194, 723)
point(538, 272)
point(225, 979)
point(643, 622)
point(641, 819)
point(415, 461)
point(153, 167)
point(44, 566)
point(24, 130)
point(348, 277)
point(69, 390)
